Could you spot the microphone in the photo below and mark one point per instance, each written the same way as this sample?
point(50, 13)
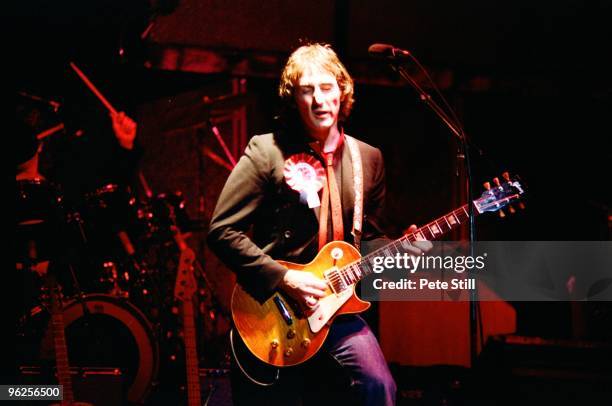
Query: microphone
point(388, 51)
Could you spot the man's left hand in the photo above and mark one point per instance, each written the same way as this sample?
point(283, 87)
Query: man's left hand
point(419, 246)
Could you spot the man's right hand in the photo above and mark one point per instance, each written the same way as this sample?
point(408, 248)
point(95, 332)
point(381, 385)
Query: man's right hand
point(125, 129)
point(305, 288)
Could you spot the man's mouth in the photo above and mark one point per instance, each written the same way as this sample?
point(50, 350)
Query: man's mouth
point(320, 113)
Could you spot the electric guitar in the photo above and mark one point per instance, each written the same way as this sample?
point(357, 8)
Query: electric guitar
point(280, 334)
point(54, 296)
point(184, 290)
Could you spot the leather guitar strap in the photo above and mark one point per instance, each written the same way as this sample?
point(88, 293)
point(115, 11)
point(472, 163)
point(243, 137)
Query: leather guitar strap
point(357, 189)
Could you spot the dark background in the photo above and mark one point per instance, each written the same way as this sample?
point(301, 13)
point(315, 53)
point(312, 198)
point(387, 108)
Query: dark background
point(531, 81)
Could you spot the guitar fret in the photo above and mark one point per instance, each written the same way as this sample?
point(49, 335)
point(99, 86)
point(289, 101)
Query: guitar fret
point(354, 274)
point(405, 243)
point(437, 229)
point(396, 247)
point(349, 275)
point(422, 234)
point(429, 228)
point(448, 227)
point(366, 268)
point(344, 278)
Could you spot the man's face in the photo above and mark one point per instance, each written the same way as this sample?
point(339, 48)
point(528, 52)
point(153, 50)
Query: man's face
point(317, 96)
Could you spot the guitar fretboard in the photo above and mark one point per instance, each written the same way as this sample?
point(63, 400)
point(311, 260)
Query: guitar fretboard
point(61, 354)
point(191, 354)
point(354, 272)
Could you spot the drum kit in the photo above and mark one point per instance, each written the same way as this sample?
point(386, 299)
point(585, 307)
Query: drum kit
point(116, 260)
point(110, 287)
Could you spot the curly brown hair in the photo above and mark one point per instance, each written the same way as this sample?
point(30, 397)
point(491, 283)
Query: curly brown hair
point(321, 56)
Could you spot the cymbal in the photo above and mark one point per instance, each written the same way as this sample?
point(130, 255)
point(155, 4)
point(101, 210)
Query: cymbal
point(54, 105)
point(226, 101)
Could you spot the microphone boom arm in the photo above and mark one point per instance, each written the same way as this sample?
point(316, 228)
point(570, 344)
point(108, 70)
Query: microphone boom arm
point(454, 126)
point(475, 321)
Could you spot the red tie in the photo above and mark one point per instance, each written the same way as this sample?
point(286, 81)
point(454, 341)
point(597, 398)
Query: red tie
point(330, 189)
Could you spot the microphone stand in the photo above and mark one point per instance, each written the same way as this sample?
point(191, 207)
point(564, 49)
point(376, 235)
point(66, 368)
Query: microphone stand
point(456, 128)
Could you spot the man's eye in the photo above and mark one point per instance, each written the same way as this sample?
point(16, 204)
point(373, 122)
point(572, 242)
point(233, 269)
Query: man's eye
point(306, 90)
point(326, 88)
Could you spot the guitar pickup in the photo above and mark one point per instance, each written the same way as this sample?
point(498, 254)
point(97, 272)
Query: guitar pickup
point(335, 280)
point(283, 310)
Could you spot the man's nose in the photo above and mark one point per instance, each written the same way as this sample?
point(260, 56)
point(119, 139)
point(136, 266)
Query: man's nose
point(317, 96)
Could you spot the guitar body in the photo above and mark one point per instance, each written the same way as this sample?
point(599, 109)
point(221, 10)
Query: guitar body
point(285, 340)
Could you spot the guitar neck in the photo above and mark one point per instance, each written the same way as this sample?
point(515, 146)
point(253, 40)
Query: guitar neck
point(61, 357)
point(184, 289)
point(191, 354)
point(356, 271)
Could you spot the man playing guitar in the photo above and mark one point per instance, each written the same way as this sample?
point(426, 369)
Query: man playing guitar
point(293, 191)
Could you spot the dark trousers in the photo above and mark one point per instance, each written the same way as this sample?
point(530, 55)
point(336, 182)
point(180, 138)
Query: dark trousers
point(350, 368)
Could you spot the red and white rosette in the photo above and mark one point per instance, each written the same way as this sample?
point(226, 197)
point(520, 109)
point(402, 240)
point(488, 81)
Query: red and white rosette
point(305, 174)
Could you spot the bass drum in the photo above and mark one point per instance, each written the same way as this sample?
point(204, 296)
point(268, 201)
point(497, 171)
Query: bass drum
point(113, 334)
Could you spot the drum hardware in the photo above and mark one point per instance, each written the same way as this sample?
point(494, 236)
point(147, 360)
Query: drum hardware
point(112, 278)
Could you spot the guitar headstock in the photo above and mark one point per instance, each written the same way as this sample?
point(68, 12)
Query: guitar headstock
point(506, 192)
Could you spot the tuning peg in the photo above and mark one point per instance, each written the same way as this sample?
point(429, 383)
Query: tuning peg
point(521, 205)
point(487, 185)
point(501, 213)
point(511, 209)
point(506, 176)
point(496, 181)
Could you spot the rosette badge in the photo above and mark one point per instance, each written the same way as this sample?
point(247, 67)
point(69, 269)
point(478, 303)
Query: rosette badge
point(305, 174)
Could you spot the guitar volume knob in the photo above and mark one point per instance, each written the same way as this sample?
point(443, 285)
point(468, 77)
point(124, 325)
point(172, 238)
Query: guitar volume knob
point(306, 343)
point(289, 352)
point(274, 344)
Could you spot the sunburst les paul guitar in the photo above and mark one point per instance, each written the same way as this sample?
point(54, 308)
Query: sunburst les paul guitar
point(278, 333)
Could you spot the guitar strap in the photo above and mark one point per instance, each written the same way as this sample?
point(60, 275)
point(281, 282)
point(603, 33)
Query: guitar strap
point(357, 188)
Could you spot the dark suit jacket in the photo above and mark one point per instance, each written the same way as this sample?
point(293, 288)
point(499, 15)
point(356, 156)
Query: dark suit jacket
point(257, 199)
